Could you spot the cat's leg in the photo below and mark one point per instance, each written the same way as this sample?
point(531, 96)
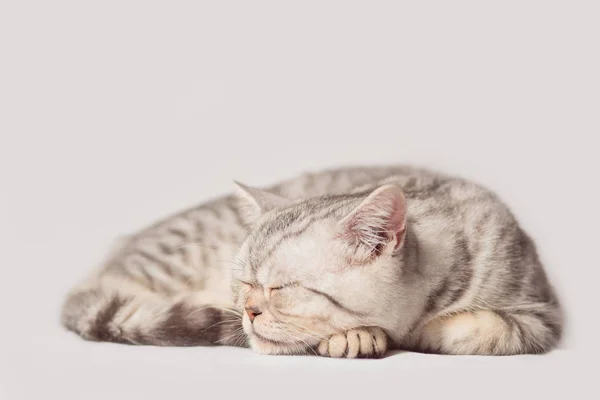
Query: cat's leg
point(362, 342)
point(487, 332)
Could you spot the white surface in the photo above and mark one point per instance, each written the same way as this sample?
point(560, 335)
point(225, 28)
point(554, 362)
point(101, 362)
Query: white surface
point(63, 368)
point(115, 113)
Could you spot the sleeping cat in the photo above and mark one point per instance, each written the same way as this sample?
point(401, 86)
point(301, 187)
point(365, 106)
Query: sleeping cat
point(342, 263)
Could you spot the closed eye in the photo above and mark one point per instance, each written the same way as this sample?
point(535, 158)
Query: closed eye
point(248, 283)
point(283, 286)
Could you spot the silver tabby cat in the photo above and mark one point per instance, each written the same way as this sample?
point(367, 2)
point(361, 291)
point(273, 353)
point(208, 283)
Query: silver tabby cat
point(342, 263)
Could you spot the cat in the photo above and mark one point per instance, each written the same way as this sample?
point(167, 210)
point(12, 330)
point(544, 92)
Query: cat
point(348, 262)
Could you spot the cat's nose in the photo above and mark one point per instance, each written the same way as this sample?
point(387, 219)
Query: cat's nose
point(252, 312)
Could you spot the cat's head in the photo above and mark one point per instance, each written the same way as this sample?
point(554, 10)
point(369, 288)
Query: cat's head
point(314, 267)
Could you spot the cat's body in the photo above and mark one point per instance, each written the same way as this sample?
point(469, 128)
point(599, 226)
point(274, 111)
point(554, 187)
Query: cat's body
point(346, 262)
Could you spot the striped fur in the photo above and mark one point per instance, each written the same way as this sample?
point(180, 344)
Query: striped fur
point(330, 260)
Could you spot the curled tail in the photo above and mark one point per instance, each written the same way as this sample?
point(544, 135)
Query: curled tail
point(101, 314)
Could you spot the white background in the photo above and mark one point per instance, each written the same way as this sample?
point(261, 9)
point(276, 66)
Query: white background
point(115, 113)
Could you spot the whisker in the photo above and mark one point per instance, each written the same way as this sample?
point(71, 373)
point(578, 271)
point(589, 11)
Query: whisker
point(242, 340)
point(223, 322)
point(300, 349)
point(235, 332)
point(230, 310)
point(307, 331)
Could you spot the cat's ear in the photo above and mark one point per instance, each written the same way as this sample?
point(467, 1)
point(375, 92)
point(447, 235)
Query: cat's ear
point(255, 202)
point(378, 223)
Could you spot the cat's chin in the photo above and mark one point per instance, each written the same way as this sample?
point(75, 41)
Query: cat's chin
point(264, 345)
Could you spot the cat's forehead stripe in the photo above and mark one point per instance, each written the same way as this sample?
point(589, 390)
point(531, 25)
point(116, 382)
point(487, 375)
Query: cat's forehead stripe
point(259, 257)
point(310, 214)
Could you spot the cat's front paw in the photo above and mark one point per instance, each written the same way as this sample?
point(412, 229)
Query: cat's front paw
point(360, 342)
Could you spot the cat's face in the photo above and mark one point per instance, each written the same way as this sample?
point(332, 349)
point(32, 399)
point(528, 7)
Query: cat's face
point(309, 269)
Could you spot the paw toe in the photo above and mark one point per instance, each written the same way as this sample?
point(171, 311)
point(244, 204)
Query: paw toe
point(366, 343)
point(353, 344)
point(337, 346)
point(379, 341)
point(324, 348)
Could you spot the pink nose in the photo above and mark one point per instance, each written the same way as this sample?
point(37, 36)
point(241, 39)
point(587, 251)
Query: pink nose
point(252, 313)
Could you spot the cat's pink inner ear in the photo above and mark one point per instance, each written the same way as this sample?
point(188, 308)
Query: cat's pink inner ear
point(379, 220)
point(397, 223)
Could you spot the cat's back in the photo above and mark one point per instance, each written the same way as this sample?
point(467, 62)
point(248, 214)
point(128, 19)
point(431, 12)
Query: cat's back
point(439, 204)
point(427, 191)
point(356, 179)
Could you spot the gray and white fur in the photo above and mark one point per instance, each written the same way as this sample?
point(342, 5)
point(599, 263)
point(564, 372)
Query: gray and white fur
point(343, 263)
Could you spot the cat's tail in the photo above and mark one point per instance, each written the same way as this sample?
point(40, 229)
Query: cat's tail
point(101, 313)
